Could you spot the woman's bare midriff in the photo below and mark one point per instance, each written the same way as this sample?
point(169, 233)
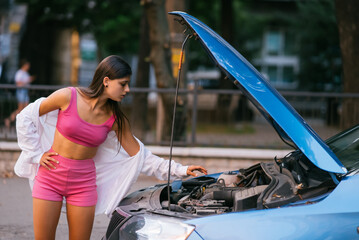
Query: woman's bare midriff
point(68, 149)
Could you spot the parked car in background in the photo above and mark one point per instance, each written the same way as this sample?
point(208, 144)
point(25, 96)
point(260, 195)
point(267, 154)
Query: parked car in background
point(308, 194)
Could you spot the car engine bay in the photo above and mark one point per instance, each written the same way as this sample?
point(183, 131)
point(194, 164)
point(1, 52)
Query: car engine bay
point(264, 185)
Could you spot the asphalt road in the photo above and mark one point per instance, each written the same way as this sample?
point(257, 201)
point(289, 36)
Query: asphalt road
point(16, 211)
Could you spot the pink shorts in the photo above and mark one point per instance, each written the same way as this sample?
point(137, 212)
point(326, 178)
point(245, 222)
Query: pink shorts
point(73, 179)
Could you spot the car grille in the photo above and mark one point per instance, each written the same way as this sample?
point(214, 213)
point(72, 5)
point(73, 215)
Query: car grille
point(116, 220)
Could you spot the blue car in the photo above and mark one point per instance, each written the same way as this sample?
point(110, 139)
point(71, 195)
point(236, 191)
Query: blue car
point(308, 194)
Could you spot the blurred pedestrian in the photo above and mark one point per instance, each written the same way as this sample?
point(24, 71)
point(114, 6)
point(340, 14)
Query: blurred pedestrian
point(22, 80)
point(77, 145)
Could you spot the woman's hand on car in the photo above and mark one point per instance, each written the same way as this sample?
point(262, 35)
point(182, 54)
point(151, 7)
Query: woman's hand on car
point(192, 168)
point(47, 161)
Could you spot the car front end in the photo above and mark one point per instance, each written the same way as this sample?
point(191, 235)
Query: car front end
point(308, 194)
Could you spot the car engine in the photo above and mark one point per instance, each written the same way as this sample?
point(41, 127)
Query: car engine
point(264, 185)
point(260, 186)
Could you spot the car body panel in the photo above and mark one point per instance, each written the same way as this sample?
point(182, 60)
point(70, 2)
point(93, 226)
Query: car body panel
point(335, 217)
point(286, 121)
point(194, 236)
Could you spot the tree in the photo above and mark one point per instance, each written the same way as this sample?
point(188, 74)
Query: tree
point(224, 100)
point(242, 30)
point(177, 38)
point(348, 25)
point(318, 50)
point(140, 103)
point(160, 57)
point(113, 23)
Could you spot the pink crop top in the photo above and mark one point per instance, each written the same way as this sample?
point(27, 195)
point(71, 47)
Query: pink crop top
point(77, 130)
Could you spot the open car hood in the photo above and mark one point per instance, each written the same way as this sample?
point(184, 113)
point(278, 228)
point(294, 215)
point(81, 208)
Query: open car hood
point(278, 112)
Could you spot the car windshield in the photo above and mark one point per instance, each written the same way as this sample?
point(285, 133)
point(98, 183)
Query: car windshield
point(345, 146)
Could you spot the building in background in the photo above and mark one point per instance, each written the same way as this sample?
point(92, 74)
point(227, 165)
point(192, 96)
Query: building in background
point(277, 59)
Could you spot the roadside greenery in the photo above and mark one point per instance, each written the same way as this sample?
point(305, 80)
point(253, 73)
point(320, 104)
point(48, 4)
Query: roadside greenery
point(316, 28)
point(115, 25)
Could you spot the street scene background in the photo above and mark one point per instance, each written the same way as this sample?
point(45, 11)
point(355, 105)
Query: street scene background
point(307, 50)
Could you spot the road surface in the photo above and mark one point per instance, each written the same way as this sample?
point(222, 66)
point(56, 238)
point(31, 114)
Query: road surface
point(16, 211)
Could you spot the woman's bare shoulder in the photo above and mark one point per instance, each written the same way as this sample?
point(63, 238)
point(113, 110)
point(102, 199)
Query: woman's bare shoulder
point(57, 100)
point(63, 95)
point(63, 92)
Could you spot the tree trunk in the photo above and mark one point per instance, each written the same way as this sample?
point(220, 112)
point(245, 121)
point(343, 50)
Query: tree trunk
point(348, 26)
point(160, 57)
point(177, 38)
point(224, 100)
point(139, 114)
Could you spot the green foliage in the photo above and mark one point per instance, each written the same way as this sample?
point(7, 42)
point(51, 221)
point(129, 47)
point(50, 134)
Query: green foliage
point(114, 23)
point(208, 13)
point(310, 25)
point(247, 29)
point(319, 52)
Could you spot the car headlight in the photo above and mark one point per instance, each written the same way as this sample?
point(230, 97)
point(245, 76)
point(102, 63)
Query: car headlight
point(155, 227)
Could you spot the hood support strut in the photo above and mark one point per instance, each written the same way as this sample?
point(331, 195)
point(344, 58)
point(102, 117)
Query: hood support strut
point(173, 119)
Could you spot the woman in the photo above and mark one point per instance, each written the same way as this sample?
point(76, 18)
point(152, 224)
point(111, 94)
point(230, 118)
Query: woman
point(86, 118)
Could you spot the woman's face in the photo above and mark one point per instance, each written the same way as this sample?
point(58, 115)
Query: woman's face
point(117, 88)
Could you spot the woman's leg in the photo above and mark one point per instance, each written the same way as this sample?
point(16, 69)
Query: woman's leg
point(46, 216)
point(80, 220)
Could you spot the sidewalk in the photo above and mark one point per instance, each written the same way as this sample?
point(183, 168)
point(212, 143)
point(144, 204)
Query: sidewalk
point(214, 159)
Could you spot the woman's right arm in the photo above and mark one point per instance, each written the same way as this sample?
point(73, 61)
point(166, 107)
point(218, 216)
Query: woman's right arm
point(59, 99)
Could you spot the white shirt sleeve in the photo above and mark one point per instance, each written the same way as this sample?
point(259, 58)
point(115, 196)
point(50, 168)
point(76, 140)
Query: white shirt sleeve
point(28, 136)
point(158, 167)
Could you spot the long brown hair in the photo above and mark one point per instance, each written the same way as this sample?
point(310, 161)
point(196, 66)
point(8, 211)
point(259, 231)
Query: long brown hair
point(113, 67)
